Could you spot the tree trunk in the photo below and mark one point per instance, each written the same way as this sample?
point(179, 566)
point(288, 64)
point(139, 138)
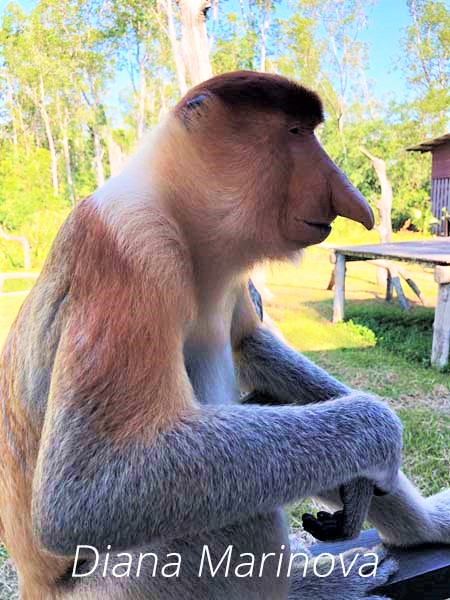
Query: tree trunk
point(384, 206)
point(140, 126)
point(69, 178)
point(10, 104)
point(194, 41)
point(175, 45)
point(163, 101)
point(98, 157)
point(23, 129)
point(263, 35)
point(24, 243)
point(116, 156)
point(63, 125)
point(50, 140)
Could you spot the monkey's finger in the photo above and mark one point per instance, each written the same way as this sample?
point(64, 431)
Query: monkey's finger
point(324, 531)
point(323, 515)
point(314, 527)
point(379, 492)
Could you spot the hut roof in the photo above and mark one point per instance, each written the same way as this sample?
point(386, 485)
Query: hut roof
point(430, 145)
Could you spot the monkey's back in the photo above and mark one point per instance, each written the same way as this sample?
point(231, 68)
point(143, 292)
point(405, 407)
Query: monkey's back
point(26, 363)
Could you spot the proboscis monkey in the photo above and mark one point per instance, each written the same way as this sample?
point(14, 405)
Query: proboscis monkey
point(121, 426)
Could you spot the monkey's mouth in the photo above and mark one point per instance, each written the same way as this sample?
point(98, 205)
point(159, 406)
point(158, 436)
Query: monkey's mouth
point(307, 233)
point(323, 228)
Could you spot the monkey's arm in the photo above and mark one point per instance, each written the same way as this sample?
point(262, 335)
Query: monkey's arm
point(203, 472)
point(271, 367)
point(403, 517)
point(125, 461)
point(278, 375)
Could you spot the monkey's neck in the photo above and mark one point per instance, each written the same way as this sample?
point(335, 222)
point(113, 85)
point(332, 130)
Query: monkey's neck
point(215, 275)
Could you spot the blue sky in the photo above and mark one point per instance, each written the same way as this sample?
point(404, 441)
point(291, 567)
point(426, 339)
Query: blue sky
point(386, 20)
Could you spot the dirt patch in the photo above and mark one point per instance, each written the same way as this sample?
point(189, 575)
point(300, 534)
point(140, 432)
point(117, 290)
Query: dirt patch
point(438, 400)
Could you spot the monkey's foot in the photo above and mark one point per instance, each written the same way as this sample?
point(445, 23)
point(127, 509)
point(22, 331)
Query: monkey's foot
point(440, 515)
point(427, 522)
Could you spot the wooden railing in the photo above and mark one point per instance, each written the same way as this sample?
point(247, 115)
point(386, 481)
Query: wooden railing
point(18, 275)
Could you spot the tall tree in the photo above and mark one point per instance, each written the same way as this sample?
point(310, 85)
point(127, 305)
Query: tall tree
point(167, 9)
point(194, 39)
point(427, 57)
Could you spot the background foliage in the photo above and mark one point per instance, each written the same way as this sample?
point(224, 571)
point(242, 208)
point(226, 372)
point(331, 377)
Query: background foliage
point(60, 63)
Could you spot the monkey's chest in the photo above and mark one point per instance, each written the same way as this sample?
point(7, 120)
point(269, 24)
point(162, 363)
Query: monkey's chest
point(211, 372)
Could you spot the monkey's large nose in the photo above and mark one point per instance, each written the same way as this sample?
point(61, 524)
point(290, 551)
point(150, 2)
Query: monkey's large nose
point(348, 202)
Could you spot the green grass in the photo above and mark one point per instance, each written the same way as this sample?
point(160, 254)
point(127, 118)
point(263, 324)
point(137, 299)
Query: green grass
point(427, 448)
point(408, 334)
point(379, 348)
point(426, 451)
point(18, 285)
point(9, 307)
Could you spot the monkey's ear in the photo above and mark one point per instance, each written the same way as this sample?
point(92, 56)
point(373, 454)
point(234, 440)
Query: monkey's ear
point(194, 108)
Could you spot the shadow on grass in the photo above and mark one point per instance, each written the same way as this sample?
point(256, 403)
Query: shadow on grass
point(372, 324)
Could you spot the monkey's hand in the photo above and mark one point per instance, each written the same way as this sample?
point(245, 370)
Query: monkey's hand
point(346, 523)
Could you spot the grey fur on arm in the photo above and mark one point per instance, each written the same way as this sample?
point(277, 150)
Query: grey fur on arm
point(404, 516)
point(267, 457)
point(280, 375)
point(269, 366)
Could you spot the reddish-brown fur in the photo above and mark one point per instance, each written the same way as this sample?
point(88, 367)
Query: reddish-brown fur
point(108, 347)
point(112, 329)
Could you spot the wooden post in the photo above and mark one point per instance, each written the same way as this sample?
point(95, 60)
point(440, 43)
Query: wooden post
point(339, 289)
point(389, 287)
point(441, 327)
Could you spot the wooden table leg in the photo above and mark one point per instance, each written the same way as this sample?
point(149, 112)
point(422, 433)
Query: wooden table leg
point(441, 327)
point(339, 288)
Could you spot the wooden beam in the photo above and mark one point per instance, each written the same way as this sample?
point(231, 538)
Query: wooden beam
point(339, 289)
point(424, 572)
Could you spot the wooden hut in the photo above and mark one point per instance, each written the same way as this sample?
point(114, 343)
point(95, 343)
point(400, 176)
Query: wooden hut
point(440, 179)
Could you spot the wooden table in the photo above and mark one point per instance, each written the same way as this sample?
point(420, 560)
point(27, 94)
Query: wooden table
point(430, 253)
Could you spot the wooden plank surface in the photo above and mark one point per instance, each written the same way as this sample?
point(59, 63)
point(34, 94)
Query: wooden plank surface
point(424, 572)
point(427, 252)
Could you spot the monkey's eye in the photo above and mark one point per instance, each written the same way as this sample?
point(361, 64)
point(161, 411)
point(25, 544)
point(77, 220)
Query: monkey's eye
point(295, 130)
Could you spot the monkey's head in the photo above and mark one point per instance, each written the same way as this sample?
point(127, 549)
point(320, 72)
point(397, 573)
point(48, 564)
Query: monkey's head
point(251, 171)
